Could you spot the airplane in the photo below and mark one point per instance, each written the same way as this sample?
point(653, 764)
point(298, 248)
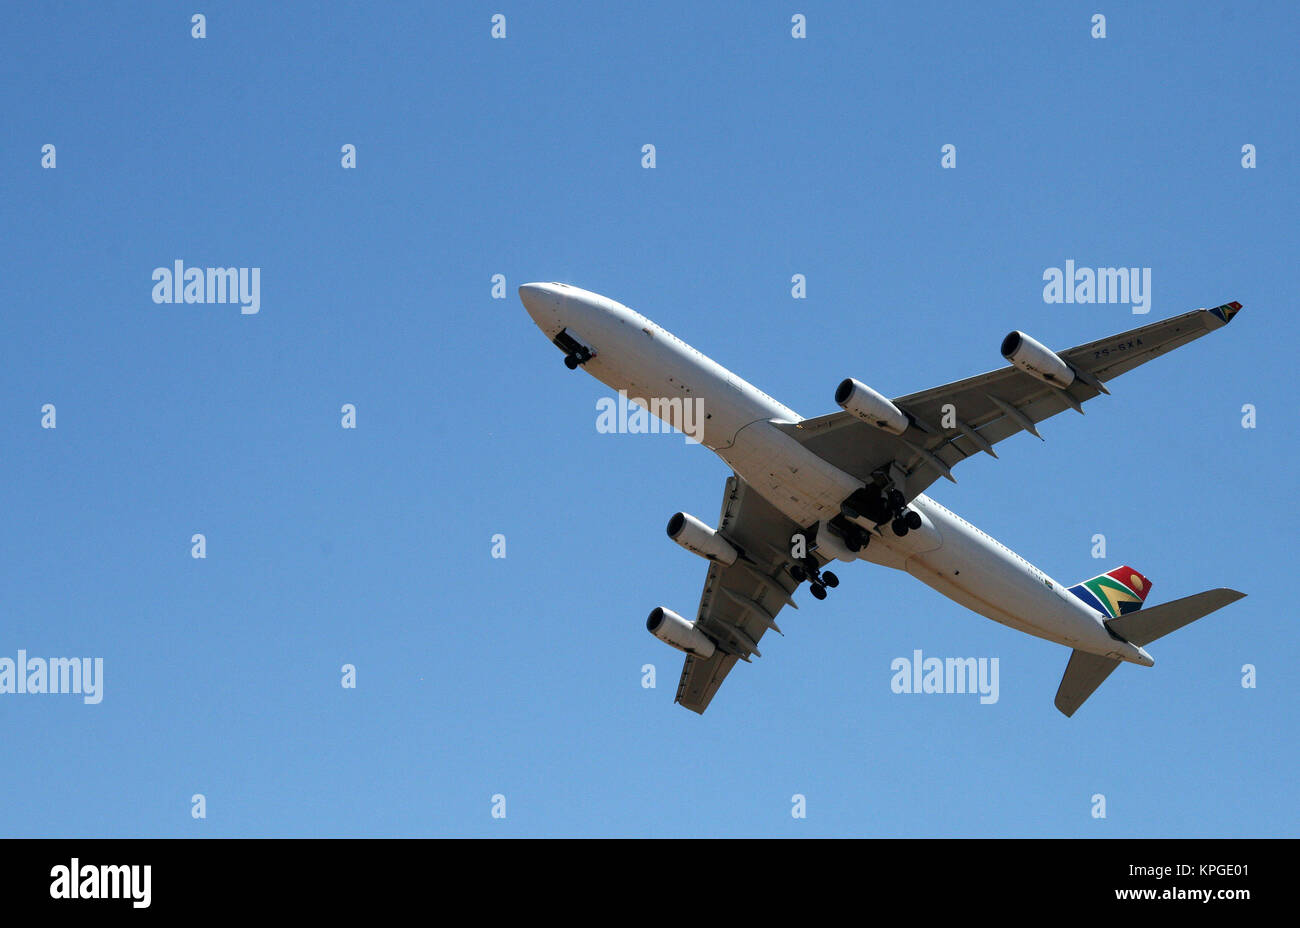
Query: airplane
point(849, 486)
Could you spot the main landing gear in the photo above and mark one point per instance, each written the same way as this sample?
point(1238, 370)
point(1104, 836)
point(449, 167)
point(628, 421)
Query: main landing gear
point(902, 524)
point(818, 579)
point(880, 506)
point(855, 537)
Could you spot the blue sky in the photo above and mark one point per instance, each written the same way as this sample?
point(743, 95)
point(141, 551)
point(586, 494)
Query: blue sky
point(521, 156)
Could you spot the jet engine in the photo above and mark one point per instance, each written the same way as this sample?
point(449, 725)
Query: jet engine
point(1037, 360)
point(698, 538)
point(857, 398)
point(670, 628)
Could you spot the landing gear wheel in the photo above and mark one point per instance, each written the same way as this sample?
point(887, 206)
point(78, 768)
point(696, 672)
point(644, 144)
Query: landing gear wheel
point(896, 500)
point(877, 509)
point(899, 526)
point(830, 579)
point(571, 361)
point(818, 591)
point(798, 573)
point(913, 520)
point(852, 543)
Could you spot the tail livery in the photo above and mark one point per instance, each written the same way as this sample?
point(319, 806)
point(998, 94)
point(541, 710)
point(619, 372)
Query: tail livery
point(1115, 593)
point(1119, 596)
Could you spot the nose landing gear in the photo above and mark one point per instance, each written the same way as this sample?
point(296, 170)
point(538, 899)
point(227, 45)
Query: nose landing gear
point(575, 352)
point(575, 358)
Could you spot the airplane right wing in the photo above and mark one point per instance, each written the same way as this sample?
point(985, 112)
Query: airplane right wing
point(991, 407)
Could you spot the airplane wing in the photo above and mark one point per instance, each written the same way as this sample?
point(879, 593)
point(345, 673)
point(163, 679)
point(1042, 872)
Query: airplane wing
point(740, 602)
point(991, 407)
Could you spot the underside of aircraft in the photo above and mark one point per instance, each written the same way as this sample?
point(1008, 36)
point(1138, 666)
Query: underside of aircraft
point(851, 485)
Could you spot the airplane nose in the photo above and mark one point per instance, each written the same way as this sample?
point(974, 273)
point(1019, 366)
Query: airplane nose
point(542, 302)
point(531, 294)
point(535, 297)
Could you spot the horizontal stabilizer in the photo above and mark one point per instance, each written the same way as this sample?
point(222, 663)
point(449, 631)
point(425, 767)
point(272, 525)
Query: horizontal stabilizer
point(1083, 675)
point(1146, 625)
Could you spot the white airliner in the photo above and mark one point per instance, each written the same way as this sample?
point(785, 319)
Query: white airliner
point(848, 486)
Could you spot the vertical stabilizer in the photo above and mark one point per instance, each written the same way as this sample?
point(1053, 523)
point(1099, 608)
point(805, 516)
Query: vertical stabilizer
point(1116, 592)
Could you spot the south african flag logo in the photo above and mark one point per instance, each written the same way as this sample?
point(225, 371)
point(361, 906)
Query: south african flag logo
point(1116, 592)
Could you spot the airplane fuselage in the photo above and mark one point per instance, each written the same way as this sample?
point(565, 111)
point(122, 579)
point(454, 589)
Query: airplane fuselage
point(633, 354)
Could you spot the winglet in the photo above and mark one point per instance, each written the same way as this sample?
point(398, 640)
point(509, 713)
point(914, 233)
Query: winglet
point(1227, 311)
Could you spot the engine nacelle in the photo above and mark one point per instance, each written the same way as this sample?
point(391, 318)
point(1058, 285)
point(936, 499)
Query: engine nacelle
point(670, 628)
point(1037, 360)
point(698, 538)
point(857, 398)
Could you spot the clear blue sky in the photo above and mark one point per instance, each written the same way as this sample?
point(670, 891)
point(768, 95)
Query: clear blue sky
point(522, 676)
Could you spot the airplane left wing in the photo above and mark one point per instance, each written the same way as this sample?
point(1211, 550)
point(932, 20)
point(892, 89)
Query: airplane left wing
point(961, 419)
point(740, 602)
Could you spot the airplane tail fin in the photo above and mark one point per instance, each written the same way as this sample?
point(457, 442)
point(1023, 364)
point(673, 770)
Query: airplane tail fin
point(1086, 672)
point(1116, 592)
